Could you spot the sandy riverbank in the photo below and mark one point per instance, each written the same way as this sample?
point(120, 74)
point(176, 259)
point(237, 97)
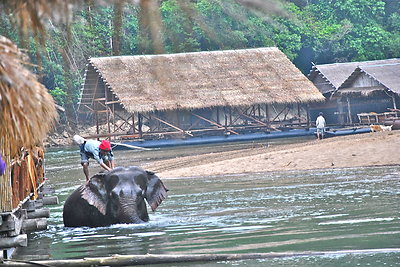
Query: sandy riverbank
point(371, 149)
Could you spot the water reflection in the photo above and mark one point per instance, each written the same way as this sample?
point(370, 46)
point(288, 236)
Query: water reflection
point(266, 212)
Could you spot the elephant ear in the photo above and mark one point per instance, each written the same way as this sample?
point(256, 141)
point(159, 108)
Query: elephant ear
point(94, 192)
point(156, 191)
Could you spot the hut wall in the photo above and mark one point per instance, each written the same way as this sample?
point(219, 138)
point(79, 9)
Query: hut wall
point(365, 81)
point(336, 110)
point(6, 188)
point(26, 174)
point(368, 104)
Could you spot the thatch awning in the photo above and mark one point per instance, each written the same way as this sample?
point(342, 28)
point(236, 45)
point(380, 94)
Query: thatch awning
point(200, 80)
point(362, 91)
point(27, 110)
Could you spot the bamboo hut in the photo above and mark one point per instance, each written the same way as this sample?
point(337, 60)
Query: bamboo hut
point(26, 114)
point(356, 87)
point(195, 93)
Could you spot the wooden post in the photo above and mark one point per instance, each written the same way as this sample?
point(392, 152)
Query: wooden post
point(308, 115)
point(394, 101)
point(349, 110)
point(341, 118)
point(299, 112)
point(266, 113)
point(133, 124)
point(226, 119)
point(140, 125)
point(230, 116)
point(97, 122)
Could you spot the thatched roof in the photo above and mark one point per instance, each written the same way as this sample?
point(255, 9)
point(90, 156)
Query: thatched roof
point(200, 80)
point(335, 74)
point(27, 110)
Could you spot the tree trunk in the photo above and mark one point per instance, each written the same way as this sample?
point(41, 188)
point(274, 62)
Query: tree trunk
point(150, 41)
point(117, 27)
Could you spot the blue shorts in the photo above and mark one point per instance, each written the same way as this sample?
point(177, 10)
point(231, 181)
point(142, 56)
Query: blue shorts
point(321, 130)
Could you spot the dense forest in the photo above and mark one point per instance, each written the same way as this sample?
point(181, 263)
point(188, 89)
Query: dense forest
point(307, 31)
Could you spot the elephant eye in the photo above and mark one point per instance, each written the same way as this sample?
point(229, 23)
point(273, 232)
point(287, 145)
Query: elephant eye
point(114, 194)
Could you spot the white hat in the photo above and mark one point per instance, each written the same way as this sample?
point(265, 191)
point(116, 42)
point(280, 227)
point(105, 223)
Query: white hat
point(79, 139)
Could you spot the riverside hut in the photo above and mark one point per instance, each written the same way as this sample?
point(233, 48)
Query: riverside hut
point(354, 88)
point(26, 114)
point(192, 94)
point(372, 89)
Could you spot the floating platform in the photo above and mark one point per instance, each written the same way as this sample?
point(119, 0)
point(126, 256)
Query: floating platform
point(162, 143)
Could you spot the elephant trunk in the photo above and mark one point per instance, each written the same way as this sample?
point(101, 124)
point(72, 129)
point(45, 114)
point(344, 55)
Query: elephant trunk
point(129, 211)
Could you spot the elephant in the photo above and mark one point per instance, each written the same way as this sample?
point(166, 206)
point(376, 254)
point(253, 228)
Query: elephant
point(115, 196)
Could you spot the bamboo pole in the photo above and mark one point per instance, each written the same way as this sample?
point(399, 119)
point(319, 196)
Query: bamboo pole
point(131, 260)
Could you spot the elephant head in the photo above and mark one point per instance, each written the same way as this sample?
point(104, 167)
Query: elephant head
point(117, 196)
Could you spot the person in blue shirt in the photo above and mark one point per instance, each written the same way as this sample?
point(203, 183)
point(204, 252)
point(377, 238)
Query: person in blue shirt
point(93, 149)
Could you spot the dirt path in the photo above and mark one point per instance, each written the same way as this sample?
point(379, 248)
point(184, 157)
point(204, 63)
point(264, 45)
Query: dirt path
point(371, 149)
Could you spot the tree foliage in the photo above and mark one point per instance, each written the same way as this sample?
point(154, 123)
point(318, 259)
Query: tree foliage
point(319, 31)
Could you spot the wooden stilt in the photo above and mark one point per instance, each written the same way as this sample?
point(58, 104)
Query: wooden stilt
point(50, 200)
point(39, 213)
point(394, 101)
point(140, 123)
point(349, 110)
point(13, 242)
point(32, 225)
point(299, 111)
point(133, 124)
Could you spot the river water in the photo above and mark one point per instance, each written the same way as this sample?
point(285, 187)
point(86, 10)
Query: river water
point(297, 211)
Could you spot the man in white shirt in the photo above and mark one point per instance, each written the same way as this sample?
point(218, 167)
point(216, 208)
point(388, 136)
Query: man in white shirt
point(321, 124)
